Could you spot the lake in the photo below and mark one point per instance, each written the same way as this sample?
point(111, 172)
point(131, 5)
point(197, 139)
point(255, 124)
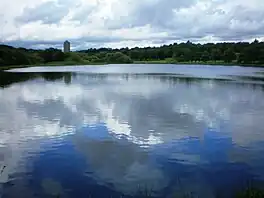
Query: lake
point(131, 131)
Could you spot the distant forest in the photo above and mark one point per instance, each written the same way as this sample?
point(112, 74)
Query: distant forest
point(241, 53)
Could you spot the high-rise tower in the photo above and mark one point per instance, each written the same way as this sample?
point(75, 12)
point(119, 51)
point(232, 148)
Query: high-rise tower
point(66, 47)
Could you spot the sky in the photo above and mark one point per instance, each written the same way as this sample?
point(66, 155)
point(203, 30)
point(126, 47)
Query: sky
point(128, 23)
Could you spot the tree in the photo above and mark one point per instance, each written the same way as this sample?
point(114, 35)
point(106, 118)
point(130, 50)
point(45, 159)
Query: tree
point(205, 56)
point(118, 57)
point(229, 55)
point(242, 52)
point(216, 54)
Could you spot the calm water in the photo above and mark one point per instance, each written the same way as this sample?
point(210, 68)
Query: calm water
point(131, 131)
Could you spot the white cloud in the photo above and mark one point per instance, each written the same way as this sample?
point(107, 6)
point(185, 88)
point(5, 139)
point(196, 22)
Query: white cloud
point(103, 103)
point(149, 115)
point(130, 22)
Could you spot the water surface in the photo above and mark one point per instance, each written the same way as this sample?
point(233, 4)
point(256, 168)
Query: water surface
point(131, 131)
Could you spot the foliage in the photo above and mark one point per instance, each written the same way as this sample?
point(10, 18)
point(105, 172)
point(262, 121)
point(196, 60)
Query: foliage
point(73, 57)
point(251, 193)
point(117, 57)
point(242, 53)
point(226, 53)
point(51, 54)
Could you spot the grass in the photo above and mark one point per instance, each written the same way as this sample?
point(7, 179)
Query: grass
point(251, 193)
point(59, 63)
point(166, 61)
point(170, 61)
point(2, 68)
point(152, 62)
point(69, 63)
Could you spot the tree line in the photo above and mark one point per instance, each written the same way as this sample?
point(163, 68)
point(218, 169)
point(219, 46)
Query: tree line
point(229, 53)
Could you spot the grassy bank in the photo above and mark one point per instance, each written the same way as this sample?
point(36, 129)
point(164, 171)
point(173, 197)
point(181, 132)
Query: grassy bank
point(170, 61)
point(73, 63)
point(57, 64)
point(197, 63)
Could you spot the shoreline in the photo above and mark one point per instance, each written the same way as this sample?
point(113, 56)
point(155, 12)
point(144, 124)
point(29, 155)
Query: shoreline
point(52, 64)
point(59, 64)
point(199, 63)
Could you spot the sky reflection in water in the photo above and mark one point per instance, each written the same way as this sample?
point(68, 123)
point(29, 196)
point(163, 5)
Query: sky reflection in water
point(81, 135)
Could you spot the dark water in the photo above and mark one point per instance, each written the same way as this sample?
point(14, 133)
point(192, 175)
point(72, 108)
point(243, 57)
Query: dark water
point(115, 131)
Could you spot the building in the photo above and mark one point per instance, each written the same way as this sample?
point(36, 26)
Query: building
point(66, 47)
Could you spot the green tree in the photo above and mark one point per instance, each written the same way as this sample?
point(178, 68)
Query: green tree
point(229, 55)
point(242, 52)
point(118, 57)
point(205, 56)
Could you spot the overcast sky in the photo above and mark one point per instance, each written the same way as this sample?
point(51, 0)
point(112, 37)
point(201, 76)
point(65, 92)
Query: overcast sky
point(128, 23)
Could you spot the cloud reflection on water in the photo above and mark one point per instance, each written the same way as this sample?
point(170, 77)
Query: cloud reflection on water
point(147, 116)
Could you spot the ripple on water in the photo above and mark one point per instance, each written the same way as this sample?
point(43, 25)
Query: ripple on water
point(81, 135)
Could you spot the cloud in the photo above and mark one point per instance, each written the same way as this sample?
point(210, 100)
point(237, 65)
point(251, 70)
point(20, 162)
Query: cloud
point(224, 21)
point(127, 108)
point(104, 23)
point(109, 101)
point(49, 12)
point(140, 13)
point(97, 40)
